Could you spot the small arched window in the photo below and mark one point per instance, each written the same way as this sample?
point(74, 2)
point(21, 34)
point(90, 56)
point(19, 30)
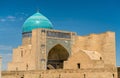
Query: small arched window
point(100, 58)
point(84, 75)
point(26, 66)
point(22, 76)
point(113, 75)
point(78, 65)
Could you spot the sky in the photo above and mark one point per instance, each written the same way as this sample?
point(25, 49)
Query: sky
point(81, 16)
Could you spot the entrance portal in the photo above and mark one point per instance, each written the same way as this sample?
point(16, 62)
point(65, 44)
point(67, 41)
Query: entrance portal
point(56, 57)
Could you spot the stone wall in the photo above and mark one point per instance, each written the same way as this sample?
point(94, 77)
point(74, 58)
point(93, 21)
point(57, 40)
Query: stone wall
point(87, 73)
point(102, 43)
point(98, 50)
point(21, 59)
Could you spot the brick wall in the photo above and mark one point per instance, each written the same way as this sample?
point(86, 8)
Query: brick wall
point(87, 73)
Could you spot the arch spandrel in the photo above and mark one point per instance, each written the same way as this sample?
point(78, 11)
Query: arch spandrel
point(53, 42)
point(58, 50)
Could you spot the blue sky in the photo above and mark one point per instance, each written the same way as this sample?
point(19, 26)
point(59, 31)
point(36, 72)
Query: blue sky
point(81, 16)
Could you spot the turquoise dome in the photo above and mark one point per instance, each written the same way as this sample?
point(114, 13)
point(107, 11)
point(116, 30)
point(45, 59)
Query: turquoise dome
point(35, 21)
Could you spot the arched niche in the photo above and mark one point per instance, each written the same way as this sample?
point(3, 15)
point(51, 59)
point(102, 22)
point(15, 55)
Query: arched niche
point(56, 57)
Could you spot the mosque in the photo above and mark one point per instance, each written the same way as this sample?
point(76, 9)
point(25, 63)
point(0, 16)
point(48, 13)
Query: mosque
point(49, 53)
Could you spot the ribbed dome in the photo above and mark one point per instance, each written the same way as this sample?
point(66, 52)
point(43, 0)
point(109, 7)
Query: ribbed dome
point(35, 21)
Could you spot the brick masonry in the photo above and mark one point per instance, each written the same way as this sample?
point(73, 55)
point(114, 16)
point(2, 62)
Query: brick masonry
point(92, 56)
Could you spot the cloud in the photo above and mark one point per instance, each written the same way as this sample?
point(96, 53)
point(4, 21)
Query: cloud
point(11, 17)
point(21, 14)
point(2, 20)
point(7, 19)
point(17, 17)
point(4, 47)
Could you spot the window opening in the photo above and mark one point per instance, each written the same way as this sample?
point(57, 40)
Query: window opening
point(100, 58)
point(78, 65)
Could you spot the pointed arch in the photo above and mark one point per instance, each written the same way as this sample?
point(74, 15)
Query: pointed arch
point(56, 56)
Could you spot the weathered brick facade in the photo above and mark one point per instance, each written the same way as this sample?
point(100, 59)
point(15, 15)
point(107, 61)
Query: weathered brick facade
point(48, 53)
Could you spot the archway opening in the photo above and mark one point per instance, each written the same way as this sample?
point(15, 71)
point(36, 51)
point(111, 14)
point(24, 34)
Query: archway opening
point(56, 57)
